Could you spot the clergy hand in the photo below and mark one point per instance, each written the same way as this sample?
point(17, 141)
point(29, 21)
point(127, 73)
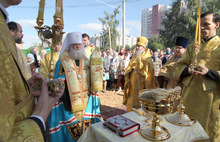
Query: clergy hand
point(32, 80)
point(46, 101)
point(202, 70)
point(190, 69)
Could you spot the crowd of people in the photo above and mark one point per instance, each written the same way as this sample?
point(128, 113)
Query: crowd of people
point(76, 106)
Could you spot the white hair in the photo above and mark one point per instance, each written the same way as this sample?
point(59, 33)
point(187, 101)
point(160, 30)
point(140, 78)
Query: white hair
point(71, 38)
point(77, 54)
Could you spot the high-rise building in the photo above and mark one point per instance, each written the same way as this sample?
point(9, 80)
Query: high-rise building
point(152, 18)
point(129, 40)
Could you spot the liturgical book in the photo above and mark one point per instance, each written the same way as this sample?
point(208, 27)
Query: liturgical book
point(121, 125)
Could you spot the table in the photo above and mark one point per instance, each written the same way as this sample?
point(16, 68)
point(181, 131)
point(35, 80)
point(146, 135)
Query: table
point(98, 133)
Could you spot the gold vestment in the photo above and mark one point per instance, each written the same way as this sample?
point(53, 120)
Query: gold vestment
point(139, 75)
point(25, 68)
point(78, 83)
point(89, 51)
point(16, 102)
point(169, 71)
point(201, 94)
point(45, 65)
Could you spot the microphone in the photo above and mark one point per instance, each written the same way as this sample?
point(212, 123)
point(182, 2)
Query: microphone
point(35, 58)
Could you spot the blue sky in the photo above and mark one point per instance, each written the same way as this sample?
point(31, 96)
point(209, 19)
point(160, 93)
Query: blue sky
point(79, 15)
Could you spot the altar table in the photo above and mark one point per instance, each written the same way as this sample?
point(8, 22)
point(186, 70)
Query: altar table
point(99, 133)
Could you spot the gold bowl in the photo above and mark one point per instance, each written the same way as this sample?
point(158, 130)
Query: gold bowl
point(154, 131)
point(162, 108)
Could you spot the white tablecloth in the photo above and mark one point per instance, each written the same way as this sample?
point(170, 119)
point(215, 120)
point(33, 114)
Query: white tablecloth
point(98, 133)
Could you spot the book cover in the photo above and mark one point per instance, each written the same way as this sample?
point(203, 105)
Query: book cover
point(121, 125)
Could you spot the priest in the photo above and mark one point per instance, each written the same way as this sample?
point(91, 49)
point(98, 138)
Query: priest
point(79, 106)
point(200, 74)
point(139, 74)
point(167, 77)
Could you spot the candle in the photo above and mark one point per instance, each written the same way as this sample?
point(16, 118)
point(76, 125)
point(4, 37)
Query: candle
point(62, 12)
point(40, 17)
point(58, 8)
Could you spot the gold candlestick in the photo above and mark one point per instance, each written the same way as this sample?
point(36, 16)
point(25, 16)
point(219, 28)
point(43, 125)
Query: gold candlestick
point(54, 32)
point(197, 42)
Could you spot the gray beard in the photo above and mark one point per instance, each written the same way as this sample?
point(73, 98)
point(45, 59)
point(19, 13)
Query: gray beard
point(137, 53)
point(77, 55)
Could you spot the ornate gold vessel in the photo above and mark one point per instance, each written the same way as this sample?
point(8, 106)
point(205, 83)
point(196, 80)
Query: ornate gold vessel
point(179, 117)
point(154, 131)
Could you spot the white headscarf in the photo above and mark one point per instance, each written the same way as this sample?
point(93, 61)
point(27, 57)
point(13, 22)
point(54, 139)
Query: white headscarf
point(71, 38)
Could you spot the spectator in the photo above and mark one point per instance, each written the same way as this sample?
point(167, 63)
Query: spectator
point(133, 52)
point(162, 57)
point(110, 53)
point(43, 53)
point(157, 65)
point(88, 49)
point(36, 50)
point(114, 70)
point(106, 67)
point(129, 53)
point(123, 63)
point(30, 58)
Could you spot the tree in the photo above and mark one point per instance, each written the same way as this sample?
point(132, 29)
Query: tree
point(182, 22)
point(174, 25)
point(127, 47)
point(110, 21)
point(155, 42)
point(35, 44)
point(133, 47)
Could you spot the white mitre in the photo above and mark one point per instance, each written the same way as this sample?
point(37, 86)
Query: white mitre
point(71, 38)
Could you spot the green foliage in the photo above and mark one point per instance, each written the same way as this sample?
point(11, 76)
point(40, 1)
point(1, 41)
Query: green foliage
point(180, 23)
point(26, 51)
point(110, 21)
point(127, 47)
point(175, 24)
point(39, 45)
point(133, 47)
point(155, 42)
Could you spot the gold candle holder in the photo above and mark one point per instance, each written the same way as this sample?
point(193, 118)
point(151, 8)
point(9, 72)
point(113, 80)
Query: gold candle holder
point(54, 32)
point(40, 18)
point(180, 118)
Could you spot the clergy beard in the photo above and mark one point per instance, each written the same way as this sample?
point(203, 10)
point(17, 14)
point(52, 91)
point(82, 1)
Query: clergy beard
point(137, 53)
point(18, 40)
point(77, 54)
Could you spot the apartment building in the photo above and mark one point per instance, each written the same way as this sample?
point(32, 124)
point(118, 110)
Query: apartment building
point(152, 18)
